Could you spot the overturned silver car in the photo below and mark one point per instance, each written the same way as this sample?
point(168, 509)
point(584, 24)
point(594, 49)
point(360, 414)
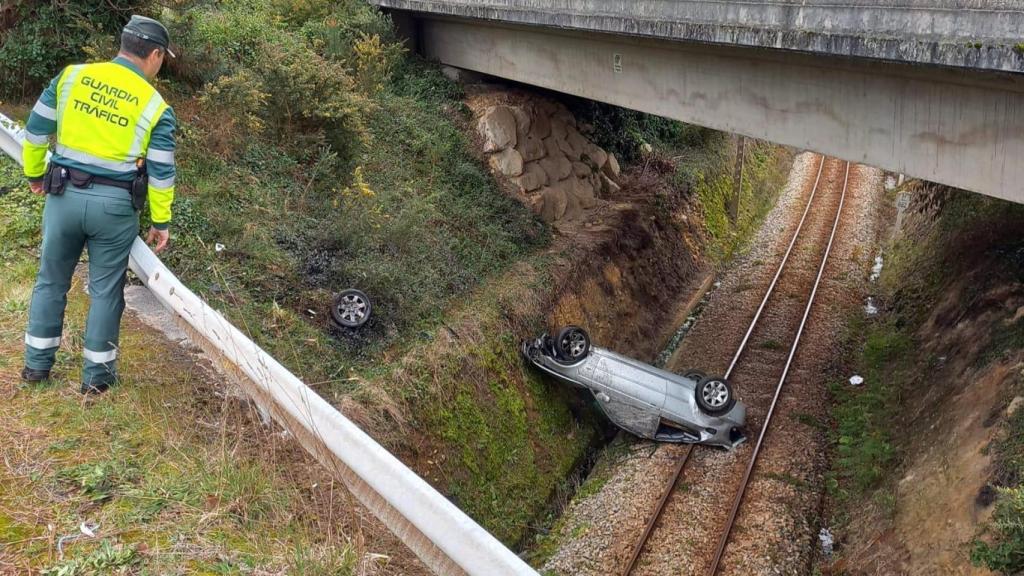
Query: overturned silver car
point(651, 403)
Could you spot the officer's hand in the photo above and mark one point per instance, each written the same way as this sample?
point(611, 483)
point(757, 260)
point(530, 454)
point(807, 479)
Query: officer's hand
point(158, 238)
point(37, 188)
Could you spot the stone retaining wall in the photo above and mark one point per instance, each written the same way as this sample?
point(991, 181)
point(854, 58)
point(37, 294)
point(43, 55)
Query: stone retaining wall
point(538, 145)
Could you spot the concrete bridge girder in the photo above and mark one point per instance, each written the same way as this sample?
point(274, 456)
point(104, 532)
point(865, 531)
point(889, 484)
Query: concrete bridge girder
point(958, 127)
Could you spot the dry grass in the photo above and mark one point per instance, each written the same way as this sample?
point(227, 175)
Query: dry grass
point(179, 474)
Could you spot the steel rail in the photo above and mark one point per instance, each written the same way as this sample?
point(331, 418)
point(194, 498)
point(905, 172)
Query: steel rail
point(723, 542)
point(778, 273)
point(442, 536)
point(681, 463)
point(662, 501)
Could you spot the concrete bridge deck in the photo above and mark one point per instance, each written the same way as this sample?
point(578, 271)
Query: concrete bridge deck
point(933, 89)
point(977, 34)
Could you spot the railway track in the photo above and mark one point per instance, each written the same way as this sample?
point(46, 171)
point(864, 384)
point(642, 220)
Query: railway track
point(680, 467)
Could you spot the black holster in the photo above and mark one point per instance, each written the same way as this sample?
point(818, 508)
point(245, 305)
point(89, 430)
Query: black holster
point(140, 187)
point(55, 179)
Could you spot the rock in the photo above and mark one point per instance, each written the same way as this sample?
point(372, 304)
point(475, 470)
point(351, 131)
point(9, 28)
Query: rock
point(559, 128)
point(579, 194)
point(573, 206)
point(541, 126)
point(611, 167)
point(523, 120)
point(532, 148)
point(596, 155)
point(608, 186)
point(551, 146)
point(509, 162)
point(562, 113)
point(555, 201)
point(583, 190)
point(580, 169)
point(533, 177)
point(497, 126)
point(567, 149)
point(1014, 405)
point(451, 73)
point(556, 165)
point(461, 75)
point(578, 142)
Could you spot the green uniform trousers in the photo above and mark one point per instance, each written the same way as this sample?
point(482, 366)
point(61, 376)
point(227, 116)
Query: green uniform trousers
point(102, 219)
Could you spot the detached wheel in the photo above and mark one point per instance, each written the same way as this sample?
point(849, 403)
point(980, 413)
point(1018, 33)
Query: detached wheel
point(572, 344)
point(695, 375)
point(351, 308)
point(714, 395)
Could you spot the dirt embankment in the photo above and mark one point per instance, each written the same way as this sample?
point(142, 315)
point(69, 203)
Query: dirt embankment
point(952, 301)
point(471, 418)
point(494, 435)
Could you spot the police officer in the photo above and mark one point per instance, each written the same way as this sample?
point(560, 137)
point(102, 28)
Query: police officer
point(110, 125)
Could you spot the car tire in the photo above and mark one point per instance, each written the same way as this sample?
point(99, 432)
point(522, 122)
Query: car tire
point(714, 395)
point(572, 344)
point(695, 375)
point(351, 308)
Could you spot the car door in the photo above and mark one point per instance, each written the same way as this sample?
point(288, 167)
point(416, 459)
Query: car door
point(630, 396)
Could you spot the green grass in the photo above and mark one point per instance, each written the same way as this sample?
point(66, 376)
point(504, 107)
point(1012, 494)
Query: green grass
point(710, 175)
point(511, 433)
point(1001, 547)
point(175, 476)
point(865, 415)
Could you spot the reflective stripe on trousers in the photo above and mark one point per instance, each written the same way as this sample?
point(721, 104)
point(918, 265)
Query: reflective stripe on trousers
point(42, 343)
point(99, 357)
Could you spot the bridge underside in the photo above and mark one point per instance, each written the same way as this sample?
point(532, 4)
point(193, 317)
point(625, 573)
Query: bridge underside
point(956, 127)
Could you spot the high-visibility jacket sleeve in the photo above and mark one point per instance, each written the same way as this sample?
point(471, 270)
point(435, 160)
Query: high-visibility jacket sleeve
point(161, 169)
point(41, 123)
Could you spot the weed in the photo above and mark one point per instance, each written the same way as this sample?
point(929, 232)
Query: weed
point(809, 420)
point(772, 344)
point(789, 479)
point(106, 559)
point(1005, 553)
point(99, 480)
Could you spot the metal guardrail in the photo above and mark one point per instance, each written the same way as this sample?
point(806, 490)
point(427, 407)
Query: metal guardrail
point(441, 535)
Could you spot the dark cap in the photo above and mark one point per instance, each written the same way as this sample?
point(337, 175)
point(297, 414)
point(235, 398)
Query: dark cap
point(151, 30)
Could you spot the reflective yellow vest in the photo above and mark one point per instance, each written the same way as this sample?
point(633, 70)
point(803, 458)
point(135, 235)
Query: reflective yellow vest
point(105, 115)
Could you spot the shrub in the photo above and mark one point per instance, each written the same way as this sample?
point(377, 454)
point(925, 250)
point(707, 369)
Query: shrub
point(624, 131)
point(42, 37)
point(335, 27)
point(311, 102)
point(374, 62)
point(233, 108)
point(1005, 553)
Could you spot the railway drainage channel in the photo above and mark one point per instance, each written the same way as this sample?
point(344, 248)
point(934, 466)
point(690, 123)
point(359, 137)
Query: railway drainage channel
point(700, 510)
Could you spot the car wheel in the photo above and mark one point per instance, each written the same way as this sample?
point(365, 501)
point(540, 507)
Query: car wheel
point(572, 344)
point(351, 308)
point(714, 395)
point(695, 375)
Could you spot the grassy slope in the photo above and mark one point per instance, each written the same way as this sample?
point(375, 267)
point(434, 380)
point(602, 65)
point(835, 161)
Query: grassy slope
point(870, 426)
point(170, 472)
